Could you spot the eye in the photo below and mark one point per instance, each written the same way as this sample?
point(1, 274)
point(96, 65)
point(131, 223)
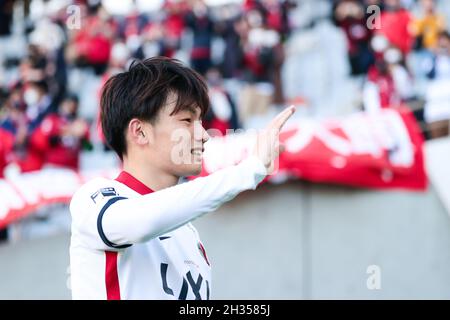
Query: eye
point(188, 120)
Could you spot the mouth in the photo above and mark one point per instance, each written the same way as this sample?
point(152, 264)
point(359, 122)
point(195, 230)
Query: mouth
point(197, 151)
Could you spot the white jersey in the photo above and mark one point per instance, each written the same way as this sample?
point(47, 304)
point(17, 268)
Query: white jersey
point(129, 242)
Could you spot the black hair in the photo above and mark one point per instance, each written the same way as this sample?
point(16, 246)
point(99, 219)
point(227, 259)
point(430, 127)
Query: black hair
point(72, 97)
point(41, 84)
point(142, 91)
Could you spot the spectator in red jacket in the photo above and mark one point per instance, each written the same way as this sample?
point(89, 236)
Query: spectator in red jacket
point(63, 135)
point(29, 104)
point(6, 145)
point(23, 152)
point(396, 26)
point(91, 46)
point(173, 25)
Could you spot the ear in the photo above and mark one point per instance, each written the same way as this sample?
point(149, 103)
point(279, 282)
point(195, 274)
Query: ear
point(138, 132)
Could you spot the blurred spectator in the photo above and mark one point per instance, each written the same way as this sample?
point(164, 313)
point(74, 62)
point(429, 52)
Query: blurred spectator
point(46, 55)
point(6, 11)
point(202, 26)
point(223, 114)
point(132, 29)
point(6, 145)
point(440, 64)
point(23, 155)
point(403, 80)
point(63, 135)
point(39, 102)
point(350, 16)
point(232, 30)
point(173, 25)
point(263, 56)
point(276, 15)
point(379, 89)
point(395, 25)
point(153, 42)
point(254, 34)
point(91, 45)
point(427, 27)
point(389, 84)
point(6, 134)
point(437, 107)
point(261, 46)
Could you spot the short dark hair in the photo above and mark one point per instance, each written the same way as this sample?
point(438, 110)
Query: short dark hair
point(444, 34)
point(142, 91)
point(40, 84)
point(72, 97)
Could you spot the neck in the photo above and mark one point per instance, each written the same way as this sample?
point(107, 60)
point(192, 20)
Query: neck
point(152, 177)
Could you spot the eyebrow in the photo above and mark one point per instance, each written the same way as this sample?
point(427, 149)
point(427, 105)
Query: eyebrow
point(193, 111)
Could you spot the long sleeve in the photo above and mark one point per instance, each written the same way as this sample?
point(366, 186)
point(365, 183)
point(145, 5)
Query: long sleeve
point(142, 218)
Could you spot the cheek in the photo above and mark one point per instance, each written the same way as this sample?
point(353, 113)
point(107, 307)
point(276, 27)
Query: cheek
point(173, 139)
point(161, 140)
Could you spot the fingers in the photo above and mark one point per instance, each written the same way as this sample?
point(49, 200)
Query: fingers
point(279, 121)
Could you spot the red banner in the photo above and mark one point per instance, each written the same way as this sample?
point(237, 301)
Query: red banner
point(25, 193)
point(382, 150)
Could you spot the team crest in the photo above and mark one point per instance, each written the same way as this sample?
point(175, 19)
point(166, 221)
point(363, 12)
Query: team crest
point(105, 192)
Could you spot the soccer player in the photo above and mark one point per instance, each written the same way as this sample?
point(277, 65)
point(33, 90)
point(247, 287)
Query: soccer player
point(132, 237)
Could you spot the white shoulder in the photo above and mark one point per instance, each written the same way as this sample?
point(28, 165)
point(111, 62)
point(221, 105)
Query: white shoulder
point(93, 194)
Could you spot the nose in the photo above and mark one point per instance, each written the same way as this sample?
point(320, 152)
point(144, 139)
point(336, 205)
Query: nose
point(205, 135)
point(200, 134)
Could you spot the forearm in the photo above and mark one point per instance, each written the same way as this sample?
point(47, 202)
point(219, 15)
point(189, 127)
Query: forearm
point(143, 218)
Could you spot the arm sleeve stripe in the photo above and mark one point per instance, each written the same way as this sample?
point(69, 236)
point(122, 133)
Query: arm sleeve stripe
point(100, 227)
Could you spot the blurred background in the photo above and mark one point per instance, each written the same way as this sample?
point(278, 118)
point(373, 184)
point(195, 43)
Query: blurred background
point(339, 221)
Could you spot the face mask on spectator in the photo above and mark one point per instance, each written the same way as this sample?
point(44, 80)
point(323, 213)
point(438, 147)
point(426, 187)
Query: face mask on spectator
point(133, 43)
point(31, 96)
point(379, 43)
point(392, 56)
point(263, 38)
point(200, 10)
point(443, 47)
point(214, 79)
point(254, 19)
point(119, 54)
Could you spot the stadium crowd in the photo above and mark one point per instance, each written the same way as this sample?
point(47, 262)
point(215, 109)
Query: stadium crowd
point(70, 42)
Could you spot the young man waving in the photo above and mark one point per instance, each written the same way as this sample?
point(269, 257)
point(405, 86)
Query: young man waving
point(132, 237)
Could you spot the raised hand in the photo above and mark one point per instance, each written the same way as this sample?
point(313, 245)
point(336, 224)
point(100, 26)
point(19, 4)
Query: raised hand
point(267, 146)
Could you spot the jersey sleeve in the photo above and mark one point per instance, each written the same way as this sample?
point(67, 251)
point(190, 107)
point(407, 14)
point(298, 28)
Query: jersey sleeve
point(126, 221)
point(87, 208)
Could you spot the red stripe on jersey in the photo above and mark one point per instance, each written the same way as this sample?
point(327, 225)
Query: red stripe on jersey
point(133, 183)
point(204, 252)
point(111, 276)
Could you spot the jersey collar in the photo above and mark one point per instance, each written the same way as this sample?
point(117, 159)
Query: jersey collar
point(133, 183)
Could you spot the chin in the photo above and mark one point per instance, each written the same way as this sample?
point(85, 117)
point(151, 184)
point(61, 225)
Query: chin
point(190, 170)
point(196, 170)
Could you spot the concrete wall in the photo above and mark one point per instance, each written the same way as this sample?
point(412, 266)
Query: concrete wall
point(305, 241)
point(35, 269)
point(290, 241)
